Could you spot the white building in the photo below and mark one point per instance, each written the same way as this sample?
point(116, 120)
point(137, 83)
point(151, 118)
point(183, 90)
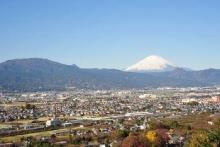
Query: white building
point(53, 122)
point(188, 100)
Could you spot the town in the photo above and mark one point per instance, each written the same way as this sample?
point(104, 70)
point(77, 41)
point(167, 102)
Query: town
point(106, 117)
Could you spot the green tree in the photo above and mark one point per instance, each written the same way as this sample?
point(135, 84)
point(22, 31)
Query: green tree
point(41, 144)
point(120, 134)
point(174, 124)
point(214, 137)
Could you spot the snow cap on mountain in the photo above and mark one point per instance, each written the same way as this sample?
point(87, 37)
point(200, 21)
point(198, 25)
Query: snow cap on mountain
point(152, 64)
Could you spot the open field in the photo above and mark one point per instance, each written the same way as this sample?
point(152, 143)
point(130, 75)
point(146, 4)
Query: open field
point(2, 126)
point(17, 138)
point(14, 104)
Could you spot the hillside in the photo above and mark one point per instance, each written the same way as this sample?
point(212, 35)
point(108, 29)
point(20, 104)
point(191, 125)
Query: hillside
point(41, 74)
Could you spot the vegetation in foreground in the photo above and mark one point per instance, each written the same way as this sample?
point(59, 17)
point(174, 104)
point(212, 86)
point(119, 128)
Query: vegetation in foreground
point(190, 131)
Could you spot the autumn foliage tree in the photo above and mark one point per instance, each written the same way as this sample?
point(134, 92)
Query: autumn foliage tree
point(157, 137)
point(200, 138)
point(135, 141)
point(151, 136)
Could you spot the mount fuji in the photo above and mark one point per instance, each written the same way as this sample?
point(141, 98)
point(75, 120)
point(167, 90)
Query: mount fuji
point(36, 74)
point(152, 64)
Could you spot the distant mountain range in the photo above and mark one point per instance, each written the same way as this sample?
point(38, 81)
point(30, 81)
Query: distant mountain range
point(41, 74)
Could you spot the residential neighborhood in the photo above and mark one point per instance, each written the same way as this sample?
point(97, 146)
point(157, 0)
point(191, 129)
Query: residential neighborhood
point(74, 114)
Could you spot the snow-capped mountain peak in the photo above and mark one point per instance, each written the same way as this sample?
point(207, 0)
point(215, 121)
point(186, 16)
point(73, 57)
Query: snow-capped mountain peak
point(152, 64)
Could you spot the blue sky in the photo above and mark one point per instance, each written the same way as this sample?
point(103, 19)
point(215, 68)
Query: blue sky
point(112, 33)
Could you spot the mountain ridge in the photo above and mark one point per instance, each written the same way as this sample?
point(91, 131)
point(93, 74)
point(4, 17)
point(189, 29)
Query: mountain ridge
point(34, 74)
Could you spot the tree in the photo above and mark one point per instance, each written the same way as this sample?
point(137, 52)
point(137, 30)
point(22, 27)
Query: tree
point(214, 137)
point(76, 140)
point(140, 121)
point(162, 136)
point(193, 103)
point(151, 136)
point(153, 125)
point(217, 122)
point(29, 106)
point(53, 138)
point(160, 141)
point(120, 134)
point(200, 138)
point(170, 124)
point(174, 124)
point(42, 144)
point(27, 141)
point(135, 141)
point(189, 127)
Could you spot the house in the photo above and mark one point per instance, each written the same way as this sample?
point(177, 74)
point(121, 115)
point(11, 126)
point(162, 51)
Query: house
point(53, 122)
point(211, 123)
point(66, 124)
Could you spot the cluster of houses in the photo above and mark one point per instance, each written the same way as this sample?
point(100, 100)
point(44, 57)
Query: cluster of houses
point(102, 108)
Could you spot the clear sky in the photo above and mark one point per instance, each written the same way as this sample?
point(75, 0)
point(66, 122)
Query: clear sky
point(112, 33)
